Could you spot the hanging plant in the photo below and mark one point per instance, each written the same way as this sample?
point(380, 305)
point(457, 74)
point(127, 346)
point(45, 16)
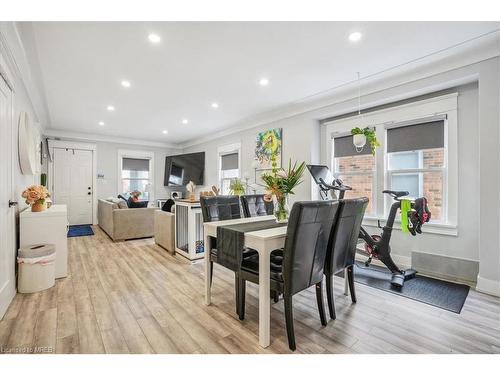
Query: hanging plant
point(370, 135)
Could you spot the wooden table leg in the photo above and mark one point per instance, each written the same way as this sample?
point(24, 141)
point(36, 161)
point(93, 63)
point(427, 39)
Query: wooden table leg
point(208, 293)
point(264, 298)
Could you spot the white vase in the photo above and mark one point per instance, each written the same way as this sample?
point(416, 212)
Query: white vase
point(359, 140)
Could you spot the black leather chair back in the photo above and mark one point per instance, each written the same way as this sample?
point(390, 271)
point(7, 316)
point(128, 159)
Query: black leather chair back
point(222, 207)
point(308, 236)
point(342, 251)
point(255, 205)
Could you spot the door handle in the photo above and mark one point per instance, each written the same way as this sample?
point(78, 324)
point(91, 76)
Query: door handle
point(12, 203)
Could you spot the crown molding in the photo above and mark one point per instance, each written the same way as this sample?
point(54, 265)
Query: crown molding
point(464, 54)
point(13, 52)
point(63, 134)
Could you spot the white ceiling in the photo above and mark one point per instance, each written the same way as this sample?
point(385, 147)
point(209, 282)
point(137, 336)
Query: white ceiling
point(197, 63)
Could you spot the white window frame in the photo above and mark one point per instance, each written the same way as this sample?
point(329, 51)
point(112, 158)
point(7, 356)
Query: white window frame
point(226, 150)
point(137, 154)
point(336, 174)
point(387, 117)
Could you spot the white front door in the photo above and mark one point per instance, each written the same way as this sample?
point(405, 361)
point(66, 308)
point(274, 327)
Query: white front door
point(73, 183)
point(7, 229)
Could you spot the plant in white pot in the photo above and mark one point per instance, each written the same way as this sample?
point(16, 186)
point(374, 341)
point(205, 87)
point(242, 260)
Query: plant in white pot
point(362, 136)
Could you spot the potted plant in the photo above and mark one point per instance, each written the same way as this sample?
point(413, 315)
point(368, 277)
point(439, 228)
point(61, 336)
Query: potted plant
point(280, 183)
point(35, 196)
point(236, 187)
point(361, 136)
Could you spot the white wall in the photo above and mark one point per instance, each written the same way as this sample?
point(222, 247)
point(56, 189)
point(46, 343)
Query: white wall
point(13, 56)
point(107, 164)
point(303, 140)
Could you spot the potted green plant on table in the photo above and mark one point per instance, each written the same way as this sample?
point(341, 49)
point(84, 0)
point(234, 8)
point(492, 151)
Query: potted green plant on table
point(237, 187)
point(280, 183)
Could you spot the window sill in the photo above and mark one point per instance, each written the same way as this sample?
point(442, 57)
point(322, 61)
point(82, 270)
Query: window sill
point(434, 228)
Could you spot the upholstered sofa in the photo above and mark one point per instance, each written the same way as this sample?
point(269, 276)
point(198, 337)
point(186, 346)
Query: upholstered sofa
point(165, 230)
point(125, 223)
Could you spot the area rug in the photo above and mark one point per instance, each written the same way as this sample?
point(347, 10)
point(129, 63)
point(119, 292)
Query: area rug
point(80, 230)
point(439, 293)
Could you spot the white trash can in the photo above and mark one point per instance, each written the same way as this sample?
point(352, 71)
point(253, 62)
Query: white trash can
point(36, 268)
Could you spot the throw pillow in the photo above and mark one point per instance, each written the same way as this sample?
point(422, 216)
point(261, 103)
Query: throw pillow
point(122, 204)
point(132, 204)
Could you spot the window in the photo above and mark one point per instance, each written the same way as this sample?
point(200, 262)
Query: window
point(229, 166)
point(418, 154)
point(416, 163)
point(356, 169)
point(136, 173)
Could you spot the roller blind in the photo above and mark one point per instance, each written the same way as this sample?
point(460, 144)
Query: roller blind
point(130, 164)
point(343, 146)
point(418, 136)
point(229, 161)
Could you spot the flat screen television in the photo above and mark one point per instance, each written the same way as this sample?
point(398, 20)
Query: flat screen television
point(180, 169)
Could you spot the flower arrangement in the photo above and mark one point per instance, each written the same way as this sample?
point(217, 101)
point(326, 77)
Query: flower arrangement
point(280, 183)
point(237, 187)
point(370, 136)
point(35, 196)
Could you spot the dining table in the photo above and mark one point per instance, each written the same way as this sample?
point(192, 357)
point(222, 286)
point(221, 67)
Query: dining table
point(263, 241)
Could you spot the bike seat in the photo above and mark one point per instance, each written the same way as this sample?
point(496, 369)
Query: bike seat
point(396, 194)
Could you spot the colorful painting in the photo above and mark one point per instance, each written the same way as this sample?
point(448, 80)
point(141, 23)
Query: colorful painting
point(266, 143)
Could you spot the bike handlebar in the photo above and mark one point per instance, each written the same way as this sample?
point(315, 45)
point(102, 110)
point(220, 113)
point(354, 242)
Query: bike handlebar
point(339, 185)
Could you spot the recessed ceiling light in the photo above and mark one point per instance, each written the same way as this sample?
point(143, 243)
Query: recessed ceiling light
point(215, 105)
point(185, 121)
point(101, 123)
point(126, 83)
point(165, 132)
point(355, 36)
point(110, 108)
point(154, 38)
point(264, 82)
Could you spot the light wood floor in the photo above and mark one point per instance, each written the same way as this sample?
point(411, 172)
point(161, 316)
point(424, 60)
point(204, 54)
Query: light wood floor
point(133, 297)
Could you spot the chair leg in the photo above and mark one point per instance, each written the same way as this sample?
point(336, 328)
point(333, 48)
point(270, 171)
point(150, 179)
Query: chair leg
point(329, 296)
point(241, 298)
point(321, 306)
point(237, 292)
point(211, 272)
point(289, 322)
point(275, 295)
point(350, 279)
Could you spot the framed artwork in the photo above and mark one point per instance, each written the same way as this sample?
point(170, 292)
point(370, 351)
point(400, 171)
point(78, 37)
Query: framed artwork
point(266, 143)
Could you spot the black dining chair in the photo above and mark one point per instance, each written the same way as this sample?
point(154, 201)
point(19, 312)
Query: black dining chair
point(255, 205)
point(307, 240)
point(222, 207)
point(342, 252)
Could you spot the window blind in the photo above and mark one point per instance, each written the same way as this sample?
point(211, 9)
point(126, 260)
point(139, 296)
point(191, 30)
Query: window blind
point(229, 161)
point(418, 136)
point(131, 164)
point(343, 146)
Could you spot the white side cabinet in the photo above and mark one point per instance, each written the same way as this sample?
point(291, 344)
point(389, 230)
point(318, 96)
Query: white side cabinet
point(189, 229)
point(49, 226)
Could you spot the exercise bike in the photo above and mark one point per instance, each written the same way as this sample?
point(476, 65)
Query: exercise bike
point(377, 246)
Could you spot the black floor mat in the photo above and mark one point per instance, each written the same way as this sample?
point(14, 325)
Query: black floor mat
point(443, 294)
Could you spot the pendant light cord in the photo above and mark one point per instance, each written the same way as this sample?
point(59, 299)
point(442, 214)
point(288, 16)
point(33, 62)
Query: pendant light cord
point(359, 94)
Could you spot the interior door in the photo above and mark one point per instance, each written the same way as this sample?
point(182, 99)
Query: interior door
point(7, 229)
point(73, 183)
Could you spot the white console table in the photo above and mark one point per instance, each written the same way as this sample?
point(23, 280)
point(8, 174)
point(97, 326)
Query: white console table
point(189, 229)
point(47, 227)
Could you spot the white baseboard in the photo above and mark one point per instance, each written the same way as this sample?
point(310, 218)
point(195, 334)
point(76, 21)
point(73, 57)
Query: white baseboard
point(488, 286)
point(6, 298)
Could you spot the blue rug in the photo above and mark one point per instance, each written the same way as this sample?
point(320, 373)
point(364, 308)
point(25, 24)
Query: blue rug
point(80, 230)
